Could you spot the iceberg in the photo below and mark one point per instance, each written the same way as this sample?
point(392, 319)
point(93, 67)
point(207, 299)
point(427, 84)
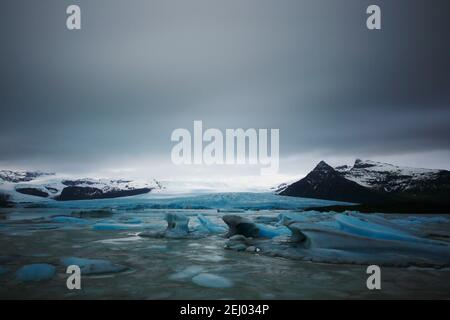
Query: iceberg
point(271, 232)
point(319, 242)
point(339, 238)
point(210, 226)
point(238, 225)
point(35, 272)
point(376, 228)
point(243, 226)
point(177, 224)
point(177, 228)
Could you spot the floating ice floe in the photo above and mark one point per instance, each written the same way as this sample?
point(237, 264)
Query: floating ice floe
point(177, 224)
point(350, 238)
point(177, 228)
point(186, 273)
point(35, 272)
point(210, 226)
point(306, 216)
point(376, 228)
point(93, 266)
point(212, 281)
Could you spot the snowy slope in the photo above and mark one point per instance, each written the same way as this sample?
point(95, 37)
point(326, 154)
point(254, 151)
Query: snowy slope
point(381, 185)
point(28, 186)
point(21, 175)
point(390, 178)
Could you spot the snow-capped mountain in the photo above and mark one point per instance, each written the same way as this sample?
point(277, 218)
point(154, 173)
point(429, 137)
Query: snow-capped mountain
point(24, 186)
point(324, 182)
point(373, 182)
point(390, 178)
point(21, 176)
point(280, 188)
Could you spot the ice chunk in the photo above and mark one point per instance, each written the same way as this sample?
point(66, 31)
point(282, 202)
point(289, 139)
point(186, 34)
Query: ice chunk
point(177, 228)
point(93, 266)
point(240, 225)
point(186, 273)
point(271, 232)
point(247, 228)
point(322, 243)
point(286, 218)
point(208, 225)
point(116, 226)
point(36, 272)
point(212, 281)
point(177, 224)
point(378, 228)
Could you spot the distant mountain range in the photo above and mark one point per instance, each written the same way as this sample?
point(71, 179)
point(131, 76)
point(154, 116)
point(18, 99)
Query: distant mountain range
point(20, 185)
point(21, 176)
point(375, 184)
point(371, 187)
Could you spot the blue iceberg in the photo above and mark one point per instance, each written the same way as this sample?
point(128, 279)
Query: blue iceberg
point(210, 226)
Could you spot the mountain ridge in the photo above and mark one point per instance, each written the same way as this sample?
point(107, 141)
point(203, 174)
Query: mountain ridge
point(324, 182)
point(29, 186)
point(380, 184)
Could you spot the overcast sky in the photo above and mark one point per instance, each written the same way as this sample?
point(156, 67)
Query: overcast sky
point(106, 98)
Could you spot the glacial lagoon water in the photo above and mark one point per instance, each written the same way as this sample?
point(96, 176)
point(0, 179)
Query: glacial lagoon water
point(47, 237)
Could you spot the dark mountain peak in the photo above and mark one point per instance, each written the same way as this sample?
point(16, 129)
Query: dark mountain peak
point(323, 182)
point(372, 182)
point(323, 166)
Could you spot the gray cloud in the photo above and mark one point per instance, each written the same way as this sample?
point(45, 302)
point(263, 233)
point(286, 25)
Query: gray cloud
point(137, 70)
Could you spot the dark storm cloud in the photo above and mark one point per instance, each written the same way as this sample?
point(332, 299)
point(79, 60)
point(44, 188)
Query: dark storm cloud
point(139, 69)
